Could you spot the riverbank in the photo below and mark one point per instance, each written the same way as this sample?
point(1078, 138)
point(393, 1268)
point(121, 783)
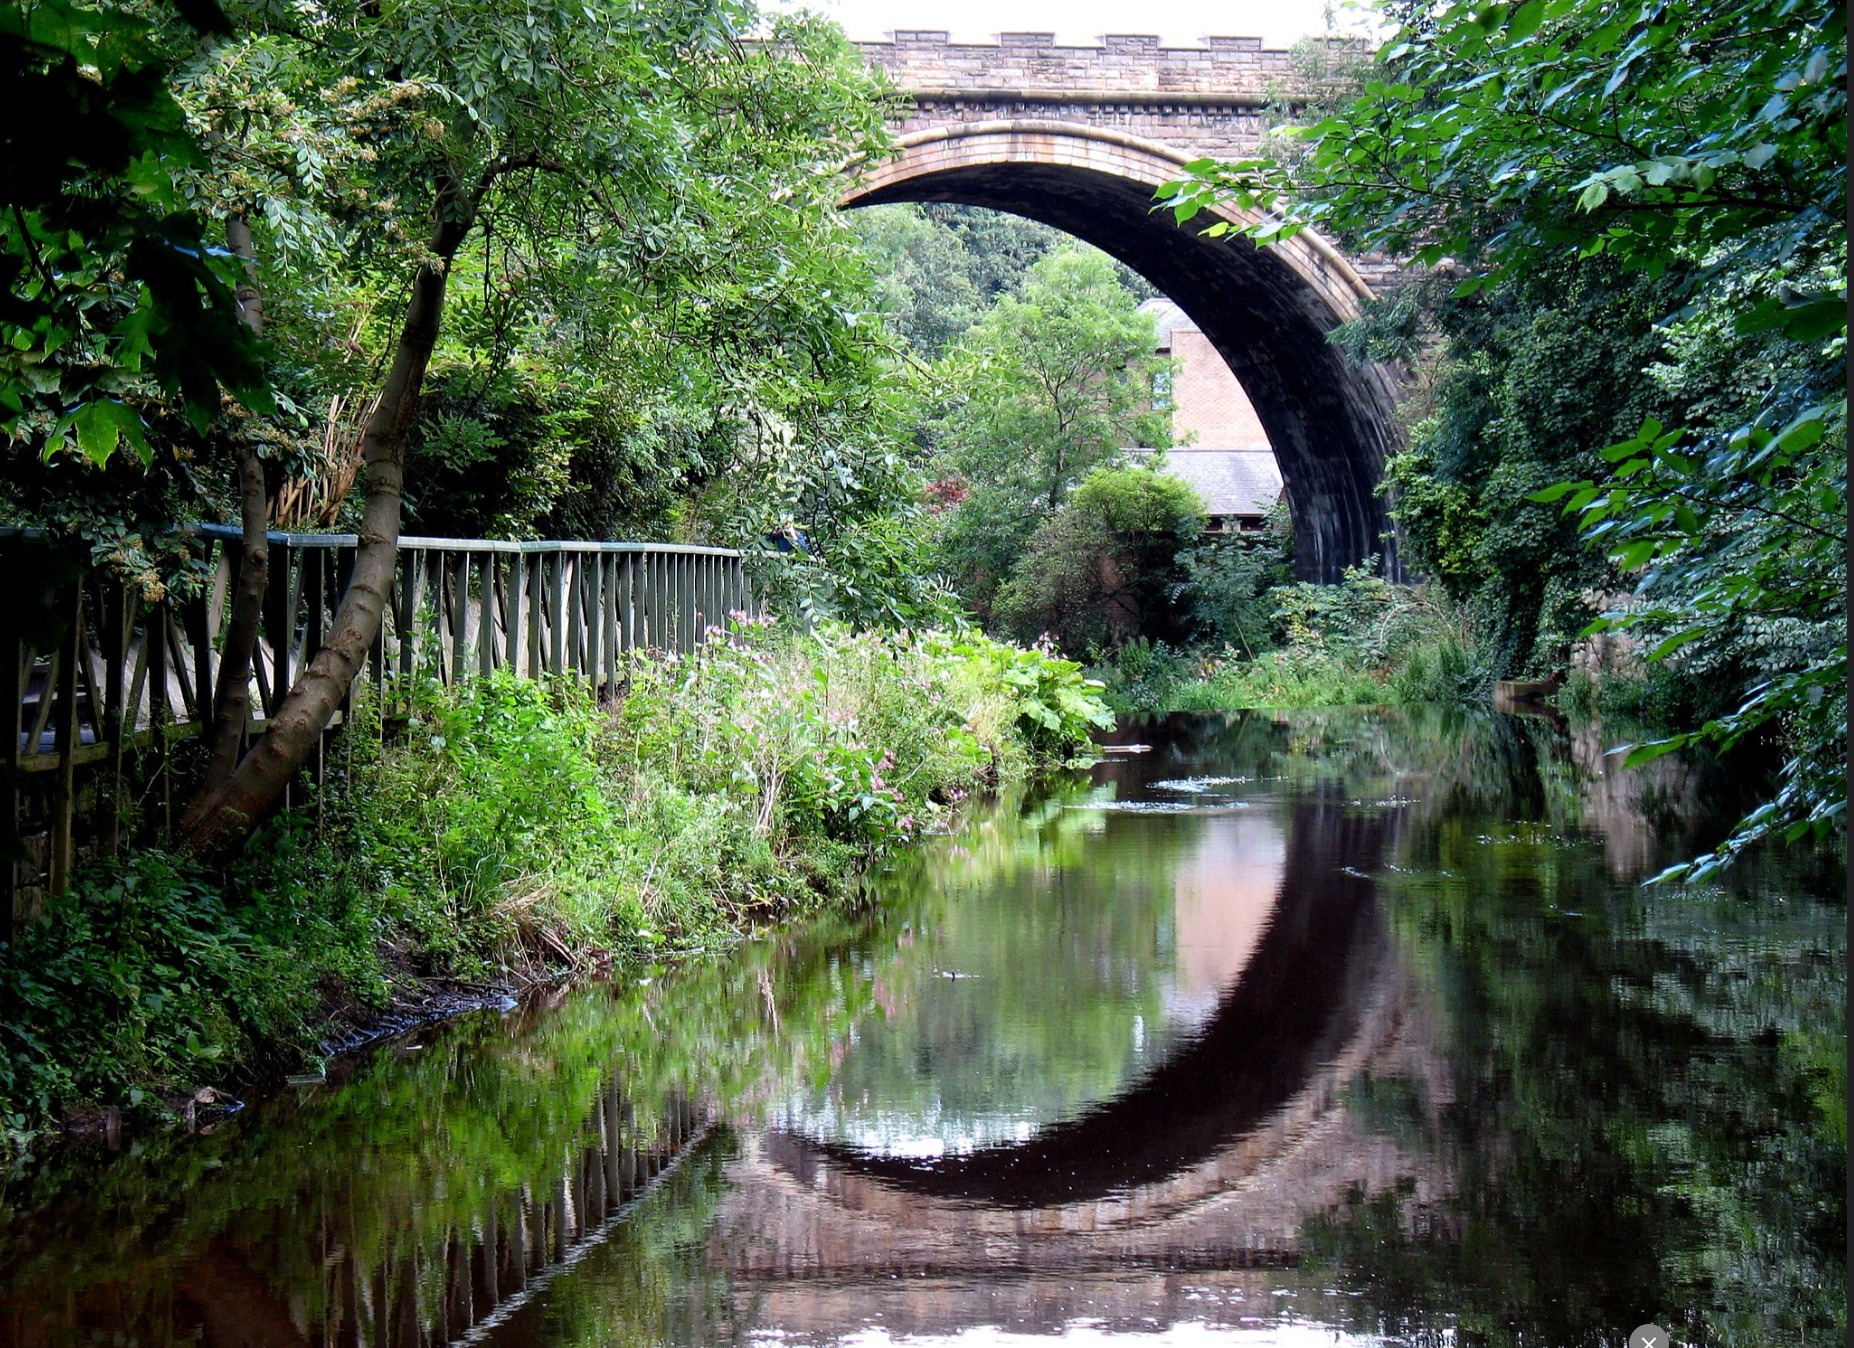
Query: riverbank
point(504, 831)
point(1362, 642)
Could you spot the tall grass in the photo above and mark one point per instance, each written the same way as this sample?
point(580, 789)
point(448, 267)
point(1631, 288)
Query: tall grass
point(522, 822)
point(1361, 642)
point(506, 825)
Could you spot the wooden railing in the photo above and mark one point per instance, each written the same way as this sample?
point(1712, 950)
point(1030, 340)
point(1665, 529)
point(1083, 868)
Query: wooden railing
point(97, 673)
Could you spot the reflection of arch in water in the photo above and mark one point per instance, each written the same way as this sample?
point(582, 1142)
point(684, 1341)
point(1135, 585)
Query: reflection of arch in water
point(1299, 1001)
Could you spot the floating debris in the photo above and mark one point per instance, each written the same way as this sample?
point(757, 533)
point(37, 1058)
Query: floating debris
point(1195, 785)
point(1161, 806)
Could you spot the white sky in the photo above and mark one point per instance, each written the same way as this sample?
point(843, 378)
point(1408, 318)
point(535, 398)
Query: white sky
point(1177, 22)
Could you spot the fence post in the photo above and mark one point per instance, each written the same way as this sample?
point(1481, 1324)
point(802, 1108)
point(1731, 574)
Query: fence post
point(537, 589)
point(13, 676)
point(557, 613)
point(513, 621)
point(460, 616)
point(64, 722)
point(113, 607)
point(198, 616)
point(376, 650)
point(575, 658)
point(489, 571)
point(627, 601)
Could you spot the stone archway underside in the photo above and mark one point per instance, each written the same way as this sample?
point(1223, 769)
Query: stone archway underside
point(1267, 311)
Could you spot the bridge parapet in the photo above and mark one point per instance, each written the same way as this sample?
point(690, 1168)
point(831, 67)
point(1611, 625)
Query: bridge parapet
point(924, 62)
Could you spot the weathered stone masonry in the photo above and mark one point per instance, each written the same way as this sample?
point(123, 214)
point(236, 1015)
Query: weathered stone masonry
point(1080, 138)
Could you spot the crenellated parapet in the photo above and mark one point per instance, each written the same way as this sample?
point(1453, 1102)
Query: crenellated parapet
point(1209, 100)
point(1125, 64)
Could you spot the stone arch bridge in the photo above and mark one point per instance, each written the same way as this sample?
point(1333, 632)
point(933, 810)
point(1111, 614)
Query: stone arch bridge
point(1080, 138)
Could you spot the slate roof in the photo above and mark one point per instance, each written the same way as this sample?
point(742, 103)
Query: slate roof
point(1230, 481)
point(1165, 317)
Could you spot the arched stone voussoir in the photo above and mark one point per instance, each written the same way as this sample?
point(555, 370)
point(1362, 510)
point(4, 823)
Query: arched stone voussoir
point(1267, 310)
point(1099, 150)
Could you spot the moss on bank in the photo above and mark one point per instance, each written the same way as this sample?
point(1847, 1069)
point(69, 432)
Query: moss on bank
point(507, 828)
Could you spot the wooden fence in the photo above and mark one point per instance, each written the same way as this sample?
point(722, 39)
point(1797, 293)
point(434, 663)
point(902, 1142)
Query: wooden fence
point(98, 673)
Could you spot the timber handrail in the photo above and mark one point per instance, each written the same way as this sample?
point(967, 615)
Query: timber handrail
point(96, 670)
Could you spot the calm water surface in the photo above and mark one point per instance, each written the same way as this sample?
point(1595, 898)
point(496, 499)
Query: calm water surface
point(1300, 1029)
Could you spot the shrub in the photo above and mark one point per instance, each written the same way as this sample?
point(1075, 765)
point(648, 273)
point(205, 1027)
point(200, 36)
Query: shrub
point(1363, 641)
point(1229, 581)
point(1143, 675)
point(1105, 568)
point(146, 975)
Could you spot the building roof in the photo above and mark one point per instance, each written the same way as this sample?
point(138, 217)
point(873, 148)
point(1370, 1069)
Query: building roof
point(1165, 317)
point(1230, 481)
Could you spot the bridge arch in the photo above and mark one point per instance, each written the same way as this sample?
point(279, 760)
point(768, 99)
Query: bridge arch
point(1266, 310)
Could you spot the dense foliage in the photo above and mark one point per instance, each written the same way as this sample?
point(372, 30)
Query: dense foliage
point(520, 825)
point(659, 328)
point(606, 231)
point(1363, 641)
point(939, 267)
point(1649, 196)
point(110, 286)
point(1050, 383)
point(1107, 566)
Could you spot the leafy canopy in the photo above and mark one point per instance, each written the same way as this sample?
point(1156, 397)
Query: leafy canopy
point(107, 282)
point(1498, 140)
point(1048, 385)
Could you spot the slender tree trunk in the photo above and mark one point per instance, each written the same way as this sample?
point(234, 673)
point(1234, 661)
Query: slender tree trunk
point(232, 699)
point(227, 814)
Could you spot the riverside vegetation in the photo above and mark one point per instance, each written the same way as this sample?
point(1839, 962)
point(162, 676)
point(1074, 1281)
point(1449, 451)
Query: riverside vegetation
point(1629, 217)
point(509, 827)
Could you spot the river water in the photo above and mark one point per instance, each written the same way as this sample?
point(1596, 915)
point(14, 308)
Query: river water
point(1291, 1028)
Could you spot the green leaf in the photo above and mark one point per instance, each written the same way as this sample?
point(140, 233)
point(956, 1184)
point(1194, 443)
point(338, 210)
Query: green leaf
point(1804, 321)
point(1633, 756)
point(1525, 21)
point(98, 431)
point(1675, 642)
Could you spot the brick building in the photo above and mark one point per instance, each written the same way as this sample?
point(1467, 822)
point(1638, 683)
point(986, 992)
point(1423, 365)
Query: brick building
point(1225, 456)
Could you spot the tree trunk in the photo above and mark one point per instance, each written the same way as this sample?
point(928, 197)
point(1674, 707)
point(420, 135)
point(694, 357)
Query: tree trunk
point(226, 815)
point(232, 700)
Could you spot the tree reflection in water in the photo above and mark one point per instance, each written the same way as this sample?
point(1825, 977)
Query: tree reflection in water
point(1365, 1027)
